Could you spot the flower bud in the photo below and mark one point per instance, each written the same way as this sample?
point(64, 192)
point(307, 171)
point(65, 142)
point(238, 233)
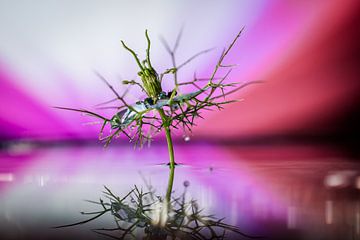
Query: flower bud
point(151, 83)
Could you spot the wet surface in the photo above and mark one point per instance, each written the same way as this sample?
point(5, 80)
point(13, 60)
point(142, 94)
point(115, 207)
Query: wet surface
point(282, 192)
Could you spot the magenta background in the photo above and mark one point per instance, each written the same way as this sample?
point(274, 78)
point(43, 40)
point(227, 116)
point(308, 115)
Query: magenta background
point(306, 51)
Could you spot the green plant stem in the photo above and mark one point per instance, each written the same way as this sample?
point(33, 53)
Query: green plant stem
point(170, 184)
point(166, 123)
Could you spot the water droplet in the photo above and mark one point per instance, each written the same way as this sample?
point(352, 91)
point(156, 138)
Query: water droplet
point(186, 183)
point(132, 127)
point(186, 138)
point(174, 107)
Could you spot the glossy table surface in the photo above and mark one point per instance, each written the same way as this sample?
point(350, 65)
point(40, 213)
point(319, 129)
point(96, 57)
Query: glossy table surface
point(280, 192)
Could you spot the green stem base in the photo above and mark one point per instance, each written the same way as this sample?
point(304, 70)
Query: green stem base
point(166, 122)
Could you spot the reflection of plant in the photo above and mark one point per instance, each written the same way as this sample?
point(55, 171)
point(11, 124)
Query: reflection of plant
point(145, 215)
point(145, 118)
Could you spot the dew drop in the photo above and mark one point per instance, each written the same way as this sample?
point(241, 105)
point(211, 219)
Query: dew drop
point(186, 183)
point(186, 138)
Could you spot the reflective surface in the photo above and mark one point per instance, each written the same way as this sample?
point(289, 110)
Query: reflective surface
point(281, 192)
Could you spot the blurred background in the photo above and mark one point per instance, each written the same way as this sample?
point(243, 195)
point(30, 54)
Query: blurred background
point(295, 137)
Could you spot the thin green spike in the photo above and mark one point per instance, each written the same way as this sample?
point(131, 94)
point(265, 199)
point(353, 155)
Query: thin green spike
point(134, 54)
point(148, 49)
